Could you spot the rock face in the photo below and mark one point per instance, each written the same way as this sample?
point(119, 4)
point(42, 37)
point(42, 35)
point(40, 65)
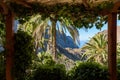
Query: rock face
point(69, 53)
point(65, 41)
point(66, 46)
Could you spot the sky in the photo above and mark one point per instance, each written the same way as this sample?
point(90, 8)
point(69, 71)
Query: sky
point(86, 35)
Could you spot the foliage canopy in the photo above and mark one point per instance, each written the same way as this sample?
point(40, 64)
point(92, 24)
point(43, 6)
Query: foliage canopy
point(74, 14)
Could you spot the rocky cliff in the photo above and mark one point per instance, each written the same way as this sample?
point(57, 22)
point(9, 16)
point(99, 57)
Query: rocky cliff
point(66, 46)
point(65, 41)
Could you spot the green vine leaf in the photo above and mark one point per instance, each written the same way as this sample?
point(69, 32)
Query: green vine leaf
point(75, 14)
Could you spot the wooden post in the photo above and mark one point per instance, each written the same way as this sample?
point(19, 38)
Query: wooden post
point(112, 32)
point(9, 45)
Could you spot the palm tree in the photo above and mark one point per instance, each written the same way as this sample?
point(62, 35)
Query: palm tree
point(64, 26)
point(38, 28)
point(96, 49)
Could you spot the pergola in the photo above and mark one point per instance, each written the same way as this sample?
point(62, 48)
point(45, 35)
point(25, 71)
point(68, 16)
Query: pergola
point(112, 28)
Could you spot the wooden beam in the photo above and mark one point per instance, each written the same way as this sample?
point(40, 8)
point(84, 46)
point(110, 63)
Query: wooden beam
point(85, 3)
point(112, 29)
point(116, 6)
point(114, 9)
point(9, 45)
point(4, 8)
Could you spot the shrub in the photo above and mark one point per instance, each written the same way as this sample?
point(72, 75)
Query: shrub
point(118, 64)
point(2, 66)
point(47, 72)
point(89, 71)
point(45, 58)
point(23, 54)
point(118, 74)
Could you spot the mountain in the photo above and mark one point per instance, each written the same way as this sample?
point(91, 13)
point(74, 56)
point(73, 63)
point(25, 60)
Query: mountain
point(66, 46)
point(65, 41)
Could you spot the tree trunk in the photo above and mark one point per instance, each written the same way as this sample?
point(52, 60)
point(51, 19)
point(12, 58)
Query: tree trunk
point(54, 39)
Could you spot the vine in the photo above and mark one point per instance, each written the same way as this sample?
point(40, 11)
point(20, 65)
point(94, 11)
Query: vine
point(75, 14)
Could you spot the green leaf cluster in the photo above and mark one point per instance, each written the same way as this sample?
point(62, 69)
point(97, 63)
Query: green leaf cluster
point(44, 58)
point(89, 71)
point(2, 45)
point(96, 49)
point(76, 14)
point(2, 66)
point(2, 31)
point(23, 56)
point(55, 72)
point(118, 74)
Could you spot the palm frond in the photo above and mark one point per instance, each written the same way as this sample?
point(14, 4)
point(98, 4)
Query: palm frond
point(96, 49)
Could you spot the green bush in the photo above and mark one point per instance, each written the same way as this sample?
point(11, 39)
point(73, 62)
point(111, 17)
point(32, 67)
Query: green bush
point(23, 54)
point(2, 45)
point(45, 58)
point(2, 72)
point(118, 74)
point(2, 66)
point(47, 72)
point(88, 71)
point(118, 64)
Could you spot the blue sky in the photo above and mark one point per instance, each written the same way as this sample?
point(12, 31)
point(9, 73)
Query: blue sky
point(86, 35)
